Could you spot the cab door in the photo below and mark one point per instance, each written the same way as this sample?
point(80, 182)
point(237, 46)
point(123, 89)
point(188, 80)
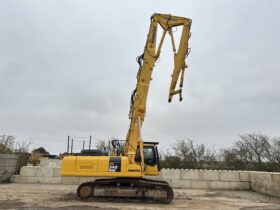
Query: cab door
point(151, 160)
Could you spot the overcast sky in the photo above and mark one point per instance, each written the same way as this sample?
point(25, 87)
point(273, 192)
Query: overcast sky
point(68, 68)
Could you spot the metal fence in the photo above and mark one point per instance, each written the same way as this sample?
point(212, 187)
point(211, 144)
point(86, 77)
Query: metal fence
point(8, 166)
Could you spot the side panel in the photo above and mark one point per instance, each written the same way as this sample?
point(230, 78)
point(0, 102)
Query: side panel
point(84, 164)
point(68, 166)
point(101, 166)
point(151, 170)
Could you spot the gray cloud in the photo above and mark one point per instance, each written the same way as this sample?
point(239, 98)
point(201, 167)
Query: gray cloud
point(68, 68)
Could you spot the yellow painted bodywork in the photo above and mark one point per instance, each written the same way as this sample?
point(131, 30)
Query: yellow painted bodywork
point(99, 166)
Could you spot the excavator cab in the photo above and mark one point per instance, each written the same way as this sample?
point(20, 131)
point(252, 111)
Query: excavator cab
point(150, 151)
point(151, 158)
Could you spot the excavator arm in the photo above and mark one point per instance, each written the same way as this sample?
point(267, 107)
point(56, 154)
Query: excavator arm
point(146, 63)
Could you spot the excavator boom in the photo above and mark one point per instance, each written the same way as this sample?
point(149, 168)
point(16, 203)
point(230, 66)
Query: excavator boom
point(146, 63)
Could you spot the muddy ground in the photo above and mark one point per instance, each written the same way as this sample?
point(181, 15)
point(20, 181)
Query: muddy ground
point(39, 196)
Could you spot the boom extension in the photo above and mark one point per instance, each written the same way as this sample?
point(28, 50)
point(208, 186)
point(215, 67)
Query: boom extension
point(146, 63)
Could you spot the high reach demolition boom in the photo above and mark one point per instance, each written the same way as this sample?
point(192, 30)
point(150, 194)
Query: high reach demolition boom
point(146, 63)
point(128, 165)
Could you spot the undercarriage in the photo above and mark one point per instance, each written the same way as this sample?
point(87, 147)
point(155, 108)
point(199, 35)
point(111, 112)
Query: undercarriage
point(127, 188)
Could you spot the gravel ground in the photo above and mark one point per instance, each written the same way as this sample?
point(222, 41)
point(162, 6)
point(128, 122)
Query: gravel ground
point(40, 196)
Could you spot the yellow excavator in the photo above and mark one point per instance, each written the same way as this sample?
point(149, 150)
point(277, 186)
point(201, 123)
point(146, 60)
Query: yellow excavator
point(120, 174)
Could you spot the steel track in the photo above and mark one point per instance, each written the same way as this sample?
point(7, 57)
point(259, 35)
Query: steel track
point(126, 188)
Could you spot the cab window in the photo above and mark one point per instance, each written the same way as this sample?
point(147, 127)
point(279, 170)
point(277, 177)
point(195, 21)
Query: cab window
point(149, 156)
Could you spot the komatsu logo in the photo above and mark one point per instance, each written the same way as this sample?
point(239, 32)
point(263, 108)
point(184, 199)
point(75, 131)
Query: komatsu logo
point(113, 167)
point(115, 164)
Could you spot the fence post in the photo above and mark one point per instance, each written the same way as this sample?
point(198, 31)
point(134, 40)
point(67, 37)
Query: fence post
point(89, 142)
point(72, 146)
point(68, 140)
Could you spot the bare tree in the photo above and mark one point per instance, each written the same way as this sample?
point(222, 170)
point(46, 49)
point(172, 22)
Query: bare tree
point(249, 152)
point(7, 144)
point(255, 147)
point(169, 160)
point(253, 151)
point(22, 146)
point(192, 155)
point(101, 144)
point(181, 148)
point(22, 149)
point(275, 150)
point(231, 159)
point(104, 144)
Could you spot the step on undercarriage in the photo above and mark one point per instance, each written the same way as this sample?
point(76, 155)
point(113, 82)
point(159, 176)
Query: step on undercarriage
point(123, 188)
